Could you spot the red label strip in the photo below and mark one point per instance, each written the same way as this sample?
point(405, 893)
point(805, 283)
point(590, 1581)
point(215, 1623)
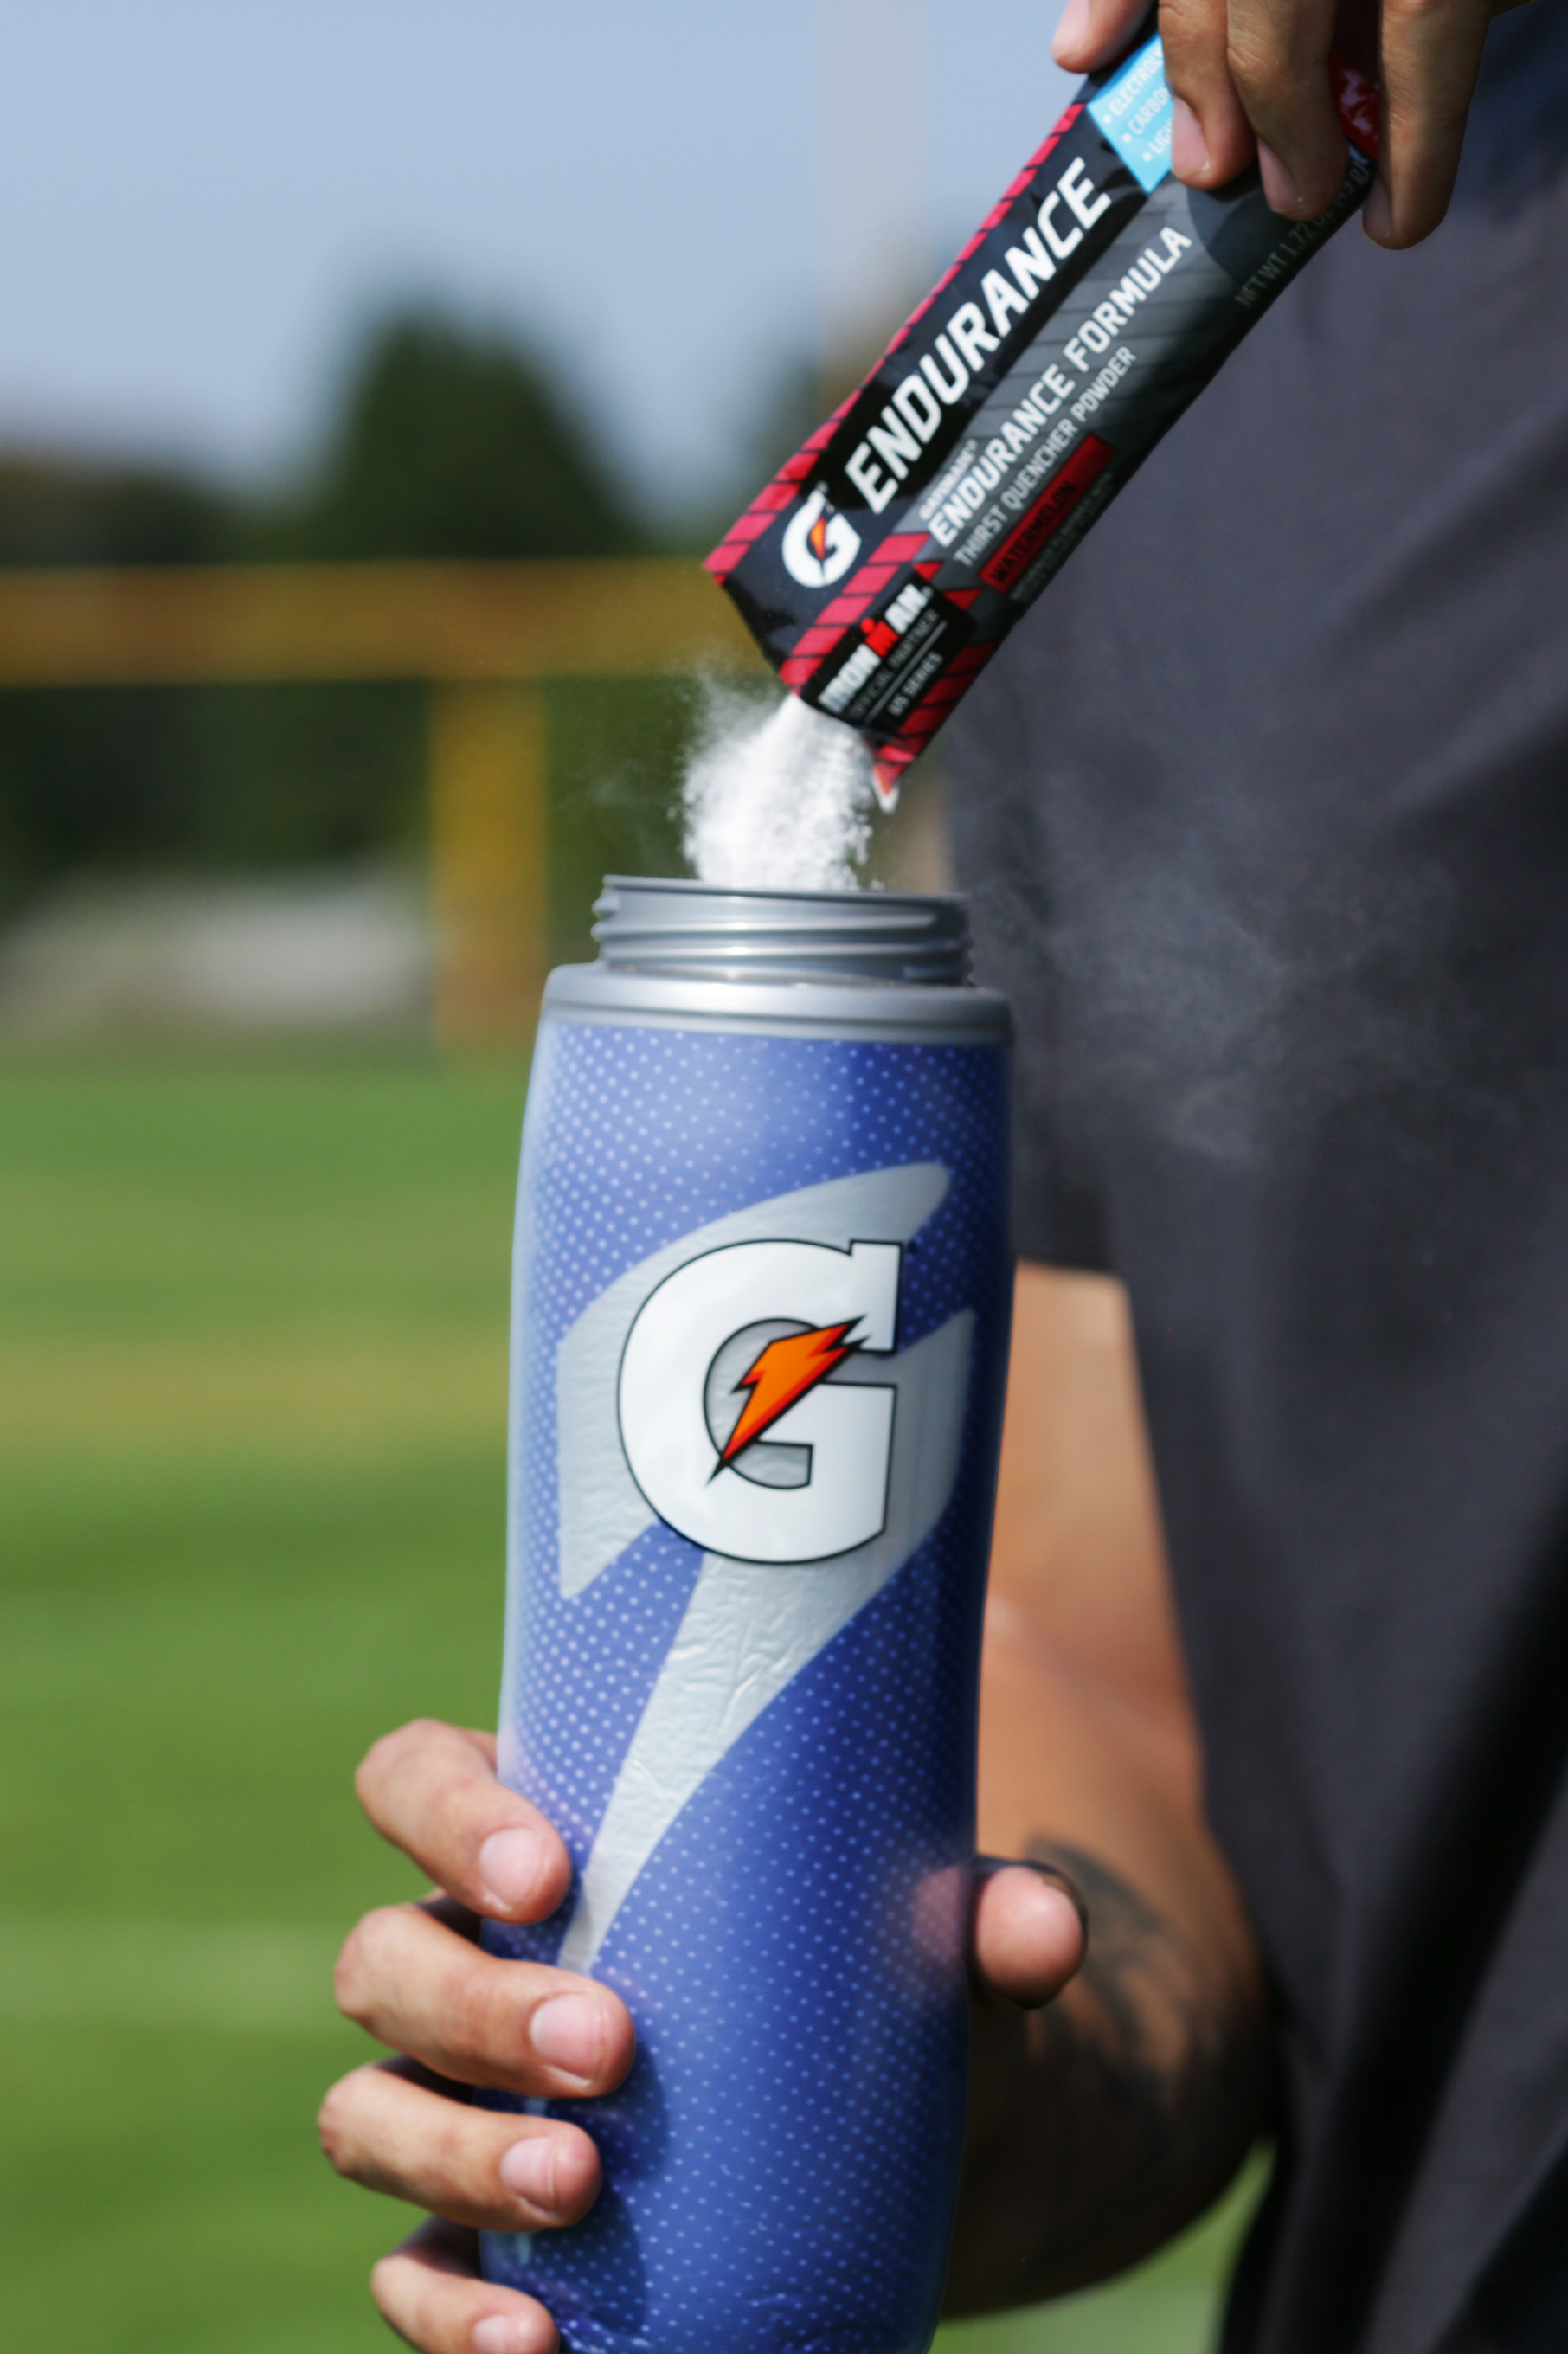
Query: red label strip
point(1054, 505)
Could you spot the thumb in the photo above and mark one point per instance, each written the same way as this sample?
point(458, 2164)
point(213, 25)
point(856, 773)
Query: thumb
point(1028, 1930)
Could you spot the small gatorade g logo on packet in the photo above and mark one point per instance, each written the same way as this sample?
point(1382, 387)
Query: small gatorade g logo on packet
point(820, 544)
point(889, 558)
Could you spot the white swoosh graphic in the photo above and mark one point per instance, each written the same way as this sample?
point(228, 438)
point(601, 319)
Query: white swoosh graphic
point(750, 1630)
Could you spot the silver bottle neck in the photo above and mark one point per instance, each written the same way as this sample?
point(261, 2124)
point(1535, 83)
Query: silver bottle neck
point(703, 931)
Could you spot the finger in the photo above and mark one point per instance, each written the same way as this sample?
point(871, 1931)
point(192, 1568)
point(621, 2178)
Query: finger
point(1029, 1935)
point(429, 2292)
point(1431, 57)
point(1277, 52)
point(431, 1789)
point(1211, 138)
point(419, 1988)
point(489, 2171)
point(1091, 32)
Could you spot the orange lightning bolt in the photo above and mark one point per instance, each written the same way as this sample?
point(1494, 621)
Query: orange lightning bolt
point(816, 541)
point(785, 1371)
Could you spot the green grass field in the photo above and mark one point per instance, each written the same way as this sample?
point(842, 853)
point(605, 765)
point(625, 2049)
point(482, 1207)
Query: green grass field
point(252, 1367)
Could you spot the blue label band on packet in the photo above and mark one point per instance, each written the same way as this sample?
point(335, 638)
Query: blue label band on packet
point(889, 558)
point(1134, 112)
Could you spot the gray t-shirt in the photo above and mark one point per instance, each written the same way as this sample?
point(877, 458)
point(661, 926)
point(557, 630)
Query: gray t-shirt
point(1264, 814)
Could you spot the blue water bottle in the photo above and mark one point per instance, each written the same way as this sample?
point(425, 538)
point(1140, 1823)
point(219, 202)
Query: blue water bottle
point(762, 1282)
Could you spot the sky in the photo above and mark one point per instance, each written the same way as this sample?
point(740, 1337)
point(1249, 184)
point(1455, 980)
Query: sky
point(203, 205)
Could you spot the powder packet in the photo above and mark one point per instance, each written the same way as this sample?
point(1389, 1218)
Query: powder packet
point(888, 559)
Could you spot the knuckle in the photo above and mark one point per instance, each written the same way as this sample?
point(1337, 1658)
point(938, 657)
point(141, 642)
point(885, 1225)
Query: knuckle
point(350, 1977)
point(353, 1975)
point(420, 1731)
point(375, 1764)
point(385, 1757)
point(333, 2125)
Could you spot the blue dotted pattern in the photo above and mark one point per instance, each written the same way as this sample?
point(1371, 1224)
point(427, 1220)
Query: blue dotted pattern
point(780, 2163)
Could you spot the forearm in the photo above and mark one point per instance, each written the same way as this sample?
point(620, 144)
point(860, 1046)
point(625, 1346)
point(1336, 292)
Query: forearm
point(1104, 2122)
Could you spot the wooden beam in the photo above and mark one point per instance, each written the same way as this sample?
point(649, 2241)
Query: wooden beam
point(197, 624)
point(489, 861)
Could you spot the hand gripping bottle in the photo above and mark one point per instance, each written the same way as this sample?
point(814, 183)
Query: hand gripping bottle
point(761, 1298)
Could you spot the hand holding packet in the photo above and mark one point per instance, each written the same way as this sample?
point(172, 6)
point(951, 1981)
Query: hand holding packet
point(888, 559)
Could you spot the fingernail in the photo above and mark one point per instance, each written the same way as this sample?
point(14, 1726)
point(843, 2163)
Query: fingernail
point(568, 2032)
point(1189, 148)
point(511, 1864)
point(1377, 215)
point(528, 2170)
point(1073, 31)
point(498, 2333)
point(1278, 186)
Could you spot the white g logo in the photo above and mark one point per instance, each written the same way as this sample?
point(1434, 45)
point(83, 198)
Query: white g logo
point(741, 1342)
point(819, 544)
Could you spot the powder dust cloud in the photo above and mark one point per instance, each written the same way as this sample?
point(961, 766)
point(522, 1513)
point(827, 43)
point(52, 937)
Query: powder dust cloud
point(778, 799)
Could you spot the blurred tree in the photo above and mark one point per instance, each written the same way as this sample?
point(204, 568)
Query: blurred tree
point(454, 443)
point(447, 441)
point(57, 510)
point(97, 778)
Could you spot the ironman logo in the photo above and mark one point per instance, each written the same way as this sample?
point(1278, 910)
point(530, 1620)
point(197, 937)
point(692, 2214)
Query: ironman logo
point(750, 1413)
point(819, 544)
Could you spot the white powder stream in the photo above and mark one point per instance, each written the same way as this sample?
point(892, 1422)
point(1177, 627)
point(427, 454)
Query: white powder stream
point(778, 799)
